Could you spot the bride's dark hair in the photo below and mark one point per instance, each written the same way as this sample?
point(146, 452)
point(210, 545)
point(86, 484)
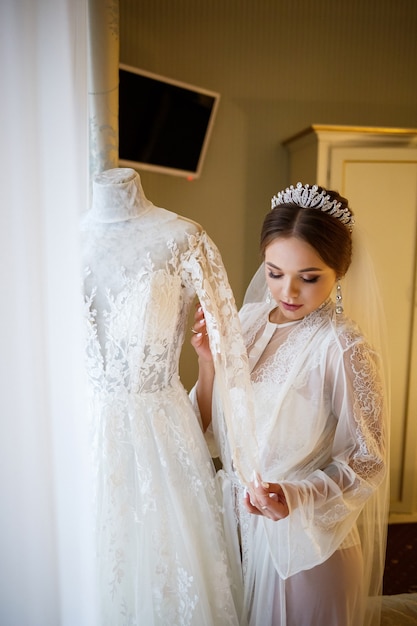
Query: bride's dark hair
point(330, 238)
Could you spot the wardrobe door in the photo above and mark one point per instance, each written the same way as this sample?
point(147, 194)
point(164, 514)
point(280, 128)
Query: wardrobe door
point(381, 185)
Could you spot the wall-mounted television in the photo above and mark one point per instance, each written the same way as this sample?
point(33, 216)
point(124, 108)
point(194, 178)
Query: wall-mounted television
point(164, 125)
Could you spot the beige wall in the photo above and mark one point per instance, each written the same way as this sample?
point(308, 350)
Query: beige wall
point(279, 65)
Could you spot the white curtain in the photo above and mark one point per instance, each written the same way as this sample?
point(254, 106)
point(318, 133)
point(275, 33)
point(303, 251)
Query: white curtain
point(46, 564)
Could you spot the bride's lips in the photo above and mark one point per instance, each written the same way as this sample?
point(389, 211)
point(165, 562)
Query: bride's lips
point(290, 307)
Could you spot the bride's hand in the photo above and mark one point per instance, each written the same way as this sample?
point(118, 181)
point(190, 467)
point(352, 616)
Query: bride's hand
point(267, 499)
point(200, 340)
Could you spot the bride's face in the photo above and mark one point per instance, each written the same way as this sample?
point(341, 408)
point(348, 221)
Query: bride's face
point(299, 280)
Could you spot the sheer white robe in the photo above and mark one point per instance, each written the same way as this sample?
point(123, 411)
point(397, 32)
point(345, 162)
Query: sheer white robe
point(320, 416)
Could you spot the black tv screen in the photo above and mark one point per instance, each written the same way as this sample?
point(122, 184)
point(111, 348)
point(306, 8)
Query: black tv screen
point(164, 125)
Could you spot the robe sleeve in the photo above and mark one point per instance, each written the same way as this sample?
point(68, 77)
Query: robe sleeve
point(328, 505)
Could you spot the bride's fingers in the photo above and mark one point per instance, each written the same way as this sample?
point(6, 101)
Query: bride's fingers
point(199, 327)
point(199, 313)
point(250, 507)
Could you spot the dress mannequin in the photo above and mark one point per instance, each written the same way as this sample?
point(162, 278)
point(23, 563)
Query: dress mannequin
point(162, 556)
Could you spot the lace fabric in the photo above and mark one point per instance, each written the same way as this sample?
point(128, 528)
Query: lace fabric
point(162, 557)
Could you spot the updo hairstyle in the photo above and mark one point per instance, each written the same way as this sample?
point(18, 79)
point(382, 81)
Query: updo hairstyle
point(329, 237)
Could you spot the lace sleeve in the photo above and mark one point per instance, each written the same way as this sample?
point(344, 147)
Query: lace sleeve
point(203, 267)
point(367, 407)
point(338, 490)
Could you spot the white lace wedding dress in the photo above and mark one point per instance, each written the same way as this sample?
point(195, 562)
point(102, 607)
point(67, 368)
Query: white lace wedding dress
point(162, 557)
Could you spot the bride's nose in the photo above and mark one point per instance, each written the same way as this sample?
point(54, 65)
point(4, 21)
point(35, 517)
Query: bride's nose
point(290, 288)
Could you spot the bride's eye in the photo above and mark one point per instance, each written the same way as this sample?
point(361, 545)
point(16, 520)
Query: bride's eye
point(272, 275)
point(314, 279)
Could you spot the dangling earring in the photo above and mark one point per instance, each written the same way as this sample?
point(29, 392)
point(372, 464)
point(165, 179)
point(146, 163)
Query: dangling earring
point(268, 299)
point(339, 304)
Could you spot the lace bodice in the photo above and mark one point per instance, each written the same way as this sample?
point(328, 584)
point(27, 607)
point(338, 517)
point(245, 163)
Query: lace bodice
point(138, 347)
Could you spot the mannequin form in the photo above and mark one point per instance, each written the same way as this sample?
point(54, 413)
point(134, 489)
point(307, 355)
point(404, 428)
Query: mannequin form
point(162, 556)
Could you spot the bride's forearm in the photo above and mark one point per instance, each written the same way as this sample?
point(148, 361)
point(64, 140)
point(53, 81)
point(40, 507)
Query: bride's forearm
point(204, 391)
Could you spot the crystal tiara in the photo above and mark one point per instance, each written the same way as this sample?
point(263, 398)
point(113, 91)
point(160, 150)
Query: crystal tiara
point(308, 197)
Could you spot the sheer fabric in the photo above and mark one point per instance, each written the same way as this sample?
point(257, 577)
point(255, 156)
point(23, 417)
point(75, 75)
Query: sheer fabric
point(45, 525)
point(162, 554)
point(321, 431)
